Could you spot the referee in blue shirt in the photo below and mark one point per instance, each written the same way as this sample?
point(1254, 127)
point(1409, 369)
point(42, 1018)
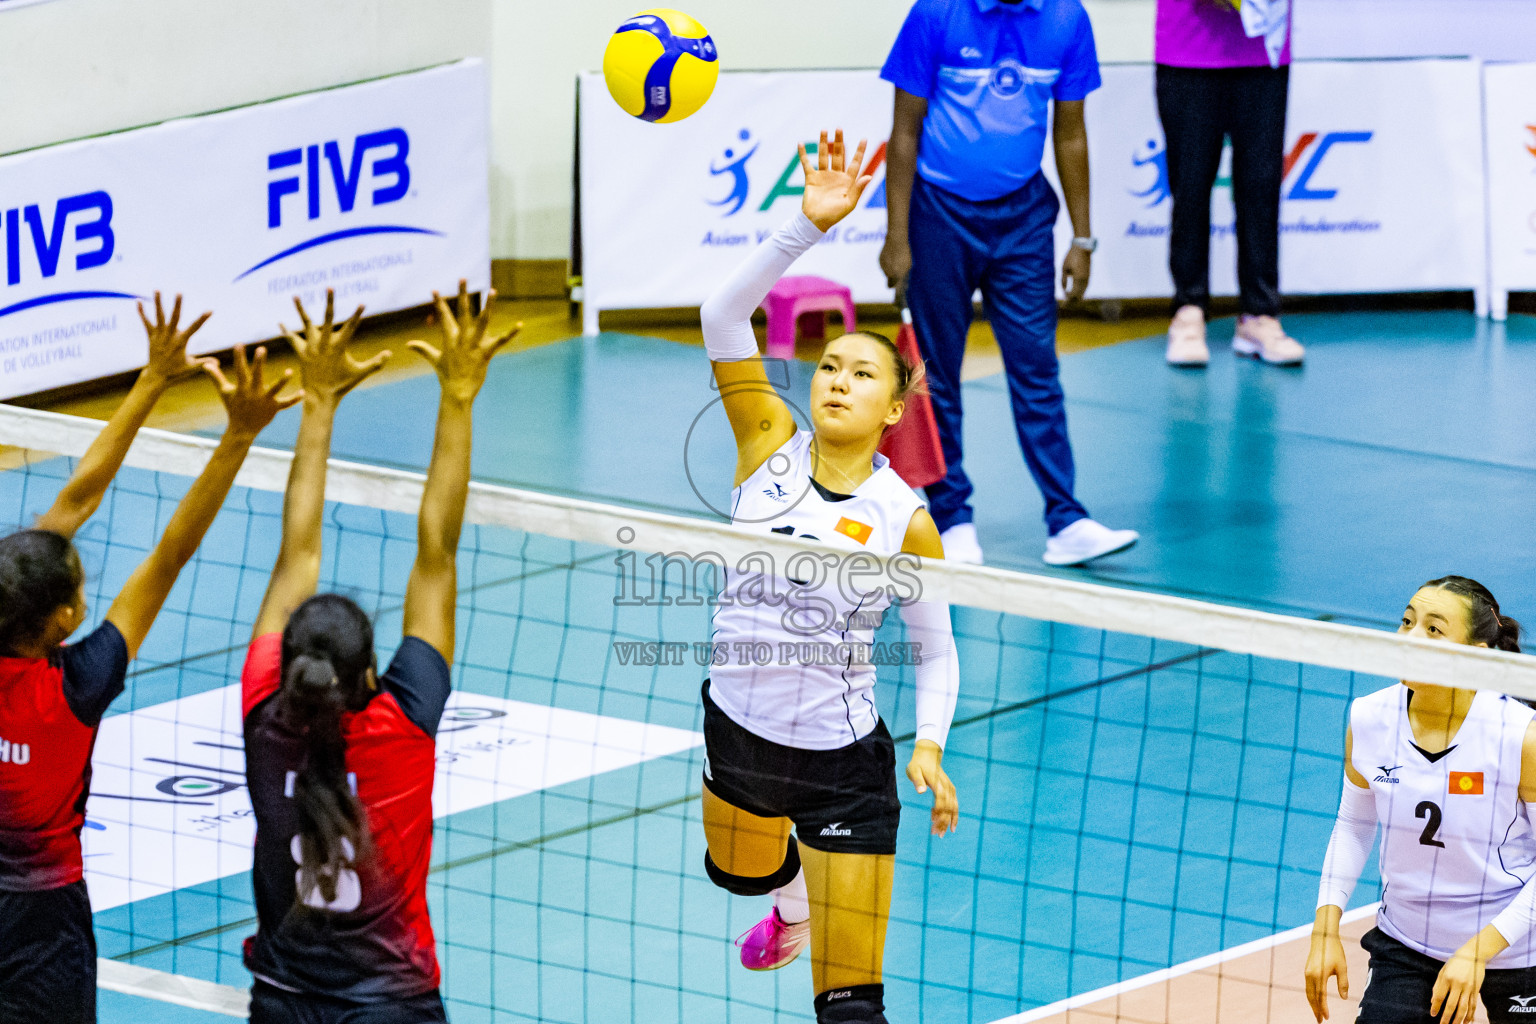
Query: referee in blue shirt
point(969, 208)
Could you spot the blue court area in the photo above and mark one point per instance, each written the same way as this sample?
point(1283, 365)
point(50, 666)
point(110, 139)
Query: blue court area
point(1126, 804)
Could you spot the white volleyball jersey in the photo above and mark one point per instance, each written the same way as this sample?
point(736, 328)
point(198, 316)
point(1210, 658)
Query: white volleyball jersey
point(794, 661)
point(1456, 842)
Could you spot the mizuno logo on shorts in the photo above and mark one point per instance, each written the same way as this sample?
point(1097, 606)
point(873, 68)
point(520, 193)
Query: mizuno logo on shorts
point(1523, 1004)
point(836, 829)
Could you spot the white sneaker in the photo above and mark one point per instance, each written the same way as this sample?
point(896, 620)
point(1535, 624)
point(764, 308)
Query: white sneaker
point(961, 545)
point(1186, 338)
point(1084, 541)
point(1262, 337)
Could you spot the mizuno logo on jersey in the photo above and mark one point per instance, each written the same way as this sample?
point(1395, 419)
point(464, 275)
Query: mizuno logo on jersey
point(1522, 1004)
point(777, 492)
point(836, 829)
point(860, 532)
point(1386, 774)
point(1466, 784)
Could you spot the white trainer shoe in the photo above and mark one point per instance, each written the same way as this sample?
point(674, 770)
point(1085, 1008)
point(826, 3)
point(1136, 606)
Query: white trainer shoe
point(1084, 541)
point(1186, 338)
point(1262, 337)
point(961, 545)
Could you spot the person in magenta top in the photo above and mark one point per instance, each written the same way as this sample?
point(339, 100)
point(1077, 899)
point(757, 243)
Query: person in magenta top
point(1215, 81)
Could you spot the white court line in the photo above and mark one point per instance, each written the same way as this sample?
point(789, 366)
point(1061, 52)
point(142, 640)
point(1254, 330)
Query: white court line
point(132, 980)
point(1189, 967)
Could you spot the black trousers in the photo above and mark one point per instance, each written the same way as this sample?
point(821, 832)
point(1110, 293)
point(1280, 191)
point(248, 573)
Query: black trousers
point(1401, 981)
point(1199, 108)
point(47, 957)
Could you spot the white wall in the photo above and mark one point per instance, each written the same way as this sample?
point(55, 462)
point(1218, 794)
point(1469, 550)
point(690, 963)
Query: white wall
point(70, 68)
point(78, 67)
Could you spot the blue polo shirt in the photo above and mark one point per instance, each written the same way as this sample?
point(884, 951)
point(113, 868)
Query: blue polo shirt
point(989, 70)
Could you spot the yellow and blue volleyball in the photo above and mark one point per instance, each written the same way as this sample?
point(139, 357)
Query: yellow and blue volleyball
point(661, 65)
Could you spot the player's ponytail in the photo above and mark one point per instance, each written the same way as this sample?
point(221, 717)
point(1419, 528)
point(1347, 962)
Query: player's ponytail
point(39, 573)
point(327, 671)
point(1485, 625)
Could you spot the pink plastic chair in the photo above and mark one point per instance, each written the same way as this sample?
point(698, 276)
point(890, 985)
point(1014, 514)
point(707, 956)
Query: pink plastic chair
point(795, 296)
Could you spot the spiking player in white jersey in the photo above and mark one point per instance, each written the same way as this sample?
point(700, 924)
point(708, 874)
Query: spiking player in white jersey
point(793, 741)
point(1450, 775)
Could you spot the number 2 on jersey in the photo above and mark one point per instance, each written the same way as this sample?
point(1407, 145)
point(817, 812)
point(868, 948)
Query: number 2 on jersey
point(1432, 810)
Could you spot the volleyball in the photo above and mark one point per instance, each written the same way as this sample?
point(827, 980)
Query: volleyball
point(661, 65)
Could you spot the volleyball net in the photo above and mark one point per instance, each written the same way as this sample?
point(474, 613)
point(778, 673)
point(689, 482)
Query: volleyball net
point(1147, 783)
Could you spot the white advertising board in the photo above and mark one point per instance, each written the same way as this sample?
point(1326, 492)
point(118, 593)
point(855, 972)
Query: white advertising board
point(1510, 122)
point(377, 190)
point(1383, 189)
point(169, 808)
point(667, 210)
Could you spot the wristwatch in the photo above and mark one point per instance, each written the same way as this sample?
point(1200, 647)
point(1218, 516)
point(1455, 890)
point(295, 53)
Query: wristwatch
point(1085, 244)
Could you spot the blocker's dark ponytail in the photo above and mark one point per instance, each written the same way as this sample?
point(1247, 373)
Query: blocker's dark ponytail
point(1484, 623)
point(327, 653)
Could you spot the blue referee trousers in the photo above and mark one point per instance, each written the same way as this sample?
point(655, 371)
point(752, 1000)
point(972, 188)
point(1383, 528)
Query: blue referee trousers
point(1003, 246)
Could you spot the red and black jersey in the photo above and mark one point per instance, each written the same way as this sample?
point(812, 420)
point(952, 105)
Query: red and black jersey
point(50, 709)
point(374, 943)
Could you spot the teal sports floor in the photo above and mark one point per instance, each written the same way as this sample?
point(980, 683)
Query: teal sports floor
point(1126, 805)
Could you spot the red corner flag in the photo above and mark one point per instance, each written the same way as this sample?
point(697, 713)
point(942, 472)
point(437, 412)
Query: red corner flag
point(913, 444)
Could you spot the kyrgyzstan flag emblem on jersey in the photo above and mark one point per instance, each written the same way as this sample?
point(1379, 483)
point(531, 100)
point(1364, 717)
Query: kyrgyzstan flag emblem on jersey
point(1466, 784)
point(860, 532)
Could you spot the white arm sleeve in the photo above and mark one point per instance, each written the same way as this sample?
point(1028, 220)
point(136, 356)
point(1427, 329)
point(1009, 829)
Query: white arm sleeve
point(938, 667)
point(727, 315)
point(1517, 920)
point(1354, 833)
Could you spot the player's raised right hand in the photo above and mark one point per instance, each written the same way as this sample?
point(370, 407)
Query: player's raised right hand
point(326, 369)
point(833, 186)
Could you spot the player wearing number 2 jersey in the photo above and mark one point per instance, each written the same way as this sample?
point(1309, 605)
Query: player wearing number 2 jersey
point(1450, 776)
point(340, 760)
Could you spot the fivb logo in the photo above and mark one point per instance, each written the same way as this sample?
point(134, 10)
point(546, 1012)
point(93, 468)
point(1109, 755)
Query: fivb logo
point(390, 173)
point(736, 158)
point(90, 213)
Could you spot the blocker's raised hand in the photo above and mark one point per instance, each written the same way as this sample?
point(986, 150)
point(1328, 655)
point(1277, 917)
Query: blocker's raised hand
point(833, 186)
point(464, 353)
point(168, 359)
point(249, 399)
point(327, 370)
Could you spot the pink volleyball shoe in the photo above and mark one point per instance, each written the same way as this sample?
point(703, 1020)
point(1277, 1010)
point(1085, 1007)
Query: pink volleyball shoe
point(770, 944)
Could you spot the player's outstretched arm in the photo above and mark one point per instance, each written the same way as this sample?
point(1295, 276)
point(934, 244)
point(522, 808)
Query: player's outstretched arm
point(759, 418)
point(461, 357)
point(168, 363)
point(938, 680)
point(251, 402)
point(327, 373)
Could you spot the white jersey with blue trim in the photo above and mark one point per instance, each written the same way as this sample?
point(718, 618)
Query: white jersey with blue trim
point(793, 643)
point(1457, 845)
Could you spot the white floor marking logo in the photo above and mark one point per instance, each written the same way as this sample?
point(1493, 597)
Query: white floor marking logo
point(169, 809)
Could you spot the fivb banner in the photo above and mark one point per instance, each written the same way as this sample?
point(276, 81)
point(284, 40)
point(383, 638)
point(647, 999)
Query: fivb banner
point(378, 191)
point(1510, 123)
point(1383, 185)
